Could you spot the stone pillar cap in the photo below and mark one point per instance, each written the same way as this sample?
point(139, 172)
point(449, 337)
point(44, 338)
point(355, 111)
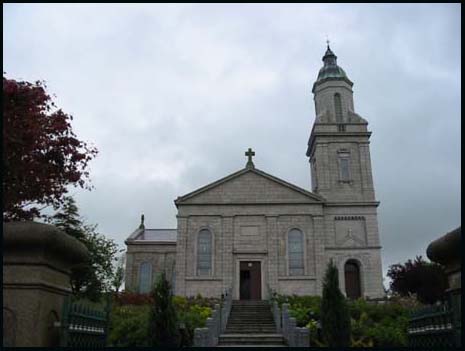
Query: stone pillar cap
point(43, 237)
point(446, 249)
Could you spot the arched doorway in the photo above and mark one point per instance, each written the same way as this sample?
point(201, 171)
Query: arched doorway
point(352, 279)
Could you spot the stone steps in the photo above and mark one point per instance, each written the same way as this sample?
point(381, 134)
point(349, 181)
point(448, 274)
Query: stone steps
point(250, 323)
point(248, 330)
point(251, 339)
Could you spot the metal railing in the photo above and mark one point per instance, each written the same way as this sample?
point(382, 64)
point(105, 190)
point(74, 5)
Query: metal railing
point(83, 324)
point(431, 327)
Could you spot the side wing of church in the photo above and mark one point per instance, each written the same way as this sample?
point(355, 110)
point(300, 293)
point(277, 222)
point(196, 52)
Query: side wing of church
point(257, 233)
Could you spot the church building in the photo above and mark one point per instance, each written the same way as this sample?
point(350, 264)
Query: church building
point(256, 233)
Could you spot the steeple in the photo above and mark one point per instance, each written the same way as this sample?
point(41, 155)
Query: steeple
point(330, 70)
point(329, 58)
point(338, 145)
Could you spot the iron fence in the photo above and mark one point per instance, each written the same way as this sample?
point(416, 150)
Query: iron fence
point(432, 327)
point(84, 324)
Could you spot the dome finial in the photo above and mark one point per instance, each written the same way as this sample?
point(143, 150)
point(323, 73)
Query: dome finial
point(329, 58)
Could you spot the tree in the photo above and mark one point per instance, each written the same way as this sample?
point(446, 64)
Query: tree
point(41, 154)
point(118, 277)
point(335, 316)
point(425, 279)
point(162, 323)
point(95, 276)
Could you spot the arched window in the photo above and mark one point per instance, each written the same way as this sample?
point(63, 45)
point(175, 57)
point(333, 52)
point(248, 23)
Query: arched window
point(204, 252)
point(352, 279)
point(145, 277)
point(338, 107)
point(295, 247)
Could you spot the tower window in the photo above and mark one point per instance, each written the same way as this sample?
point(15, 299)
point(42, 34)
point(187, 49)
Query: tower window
point(338, 107)
point(344, 168)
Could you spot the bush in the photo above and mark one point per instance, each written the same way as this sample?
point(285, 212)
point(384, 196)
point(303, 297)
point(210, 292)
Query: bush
point(131, 298)
point(302, 308)
point(130, 315)
point(379, 325)
point(192, 317)
point(129, 326)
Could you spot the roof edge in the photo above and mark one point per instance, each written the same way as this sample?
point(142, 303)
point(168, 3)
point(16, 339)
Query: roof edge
point(307, 193)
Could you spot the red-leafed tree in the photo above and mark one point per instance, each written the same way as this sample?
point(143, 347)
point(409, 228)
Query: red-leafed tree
point(41, 154)
point(427, 280)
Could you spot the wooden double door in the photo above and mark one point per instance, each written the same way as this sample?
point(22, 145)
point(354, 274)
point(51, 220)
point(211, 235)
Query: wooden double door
point(250, 280)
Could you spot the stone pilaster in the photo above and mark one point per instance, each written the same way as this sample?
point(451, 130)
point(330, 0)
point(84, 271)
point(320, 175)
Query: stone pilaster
point(228, 257)
point(181, 256)
point(319, 244)
point(273, 247)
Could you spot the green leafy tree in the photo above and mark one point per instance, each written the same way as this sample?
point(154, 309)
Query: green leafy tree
point(335, 316)
point(96, 275)
point(163, 320)
point(118, 277)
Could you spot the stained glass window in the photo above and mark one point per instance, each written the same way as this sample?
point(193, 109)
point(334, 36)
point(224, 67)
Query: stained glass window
point(296, 252)
point(145, 277)
point(204, 252)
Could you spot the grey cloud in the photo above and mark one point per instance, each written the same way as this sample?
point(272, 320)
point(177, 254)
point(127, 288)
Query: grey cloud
point(172, 95)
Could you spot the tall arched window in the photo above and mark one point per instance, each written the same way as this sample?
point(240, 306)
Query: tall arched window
point(295, 247)
point(338, 107)
point(352, 279)
point(204, 252)
point(145, 277)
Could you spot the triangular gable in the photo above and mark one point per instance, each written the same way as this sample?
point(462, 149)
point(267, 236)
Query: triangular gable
point(249, 185)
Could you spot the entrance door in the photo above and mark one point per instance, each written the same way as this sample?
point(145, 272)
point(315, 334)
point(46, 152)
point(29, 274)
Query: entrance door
point(250, 287)
point(352, 278)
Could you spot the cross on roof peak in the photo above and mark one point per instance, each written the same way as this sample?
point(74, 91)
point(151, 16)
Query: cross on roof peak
point(250, 153)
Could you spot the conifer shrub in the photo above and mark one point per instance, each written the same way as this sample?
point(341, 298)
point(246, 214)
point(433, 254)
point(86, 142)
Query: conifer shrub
point(335, 317)
point(162, 320)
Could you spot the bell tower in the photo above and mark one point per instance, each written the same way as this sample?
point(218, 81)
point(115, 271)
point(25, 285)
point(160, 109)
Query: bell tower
point(338, 148)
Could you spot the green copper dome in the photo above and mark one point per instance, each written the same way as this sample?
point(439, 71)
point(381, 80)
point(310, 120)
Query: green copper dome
point(331, 70)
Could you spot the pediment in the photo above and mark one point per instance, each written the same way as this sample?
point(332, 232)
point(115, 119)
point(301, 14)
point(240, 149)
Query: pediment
point(249, 186)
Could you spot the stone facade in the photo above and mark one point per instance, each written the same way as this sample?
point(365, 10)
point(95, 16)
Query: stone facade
point(250, 214)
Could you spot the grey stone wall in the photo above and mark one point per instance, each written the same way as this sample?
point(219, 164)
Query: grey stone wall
point(161, 256)
point(259, 232)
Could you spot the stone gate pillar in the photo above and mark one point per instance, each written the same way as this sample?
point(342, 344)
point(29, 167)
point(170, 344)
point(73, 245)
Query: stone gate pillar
point(37, 259)
point(447, 250)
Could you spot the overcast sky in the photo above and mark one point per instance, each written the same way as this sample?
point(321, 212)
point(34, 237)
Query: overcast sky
point(173, 95)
